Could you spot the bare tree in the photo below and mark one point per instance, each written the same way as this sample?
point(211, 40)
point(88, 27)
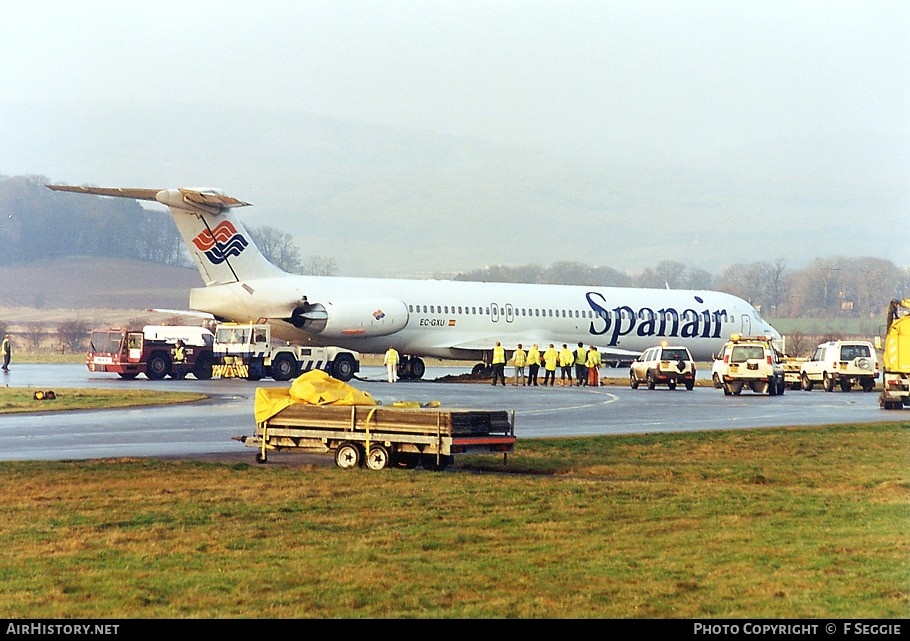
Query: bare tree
point(318, 266)
point(277, 246)
point(73, 334)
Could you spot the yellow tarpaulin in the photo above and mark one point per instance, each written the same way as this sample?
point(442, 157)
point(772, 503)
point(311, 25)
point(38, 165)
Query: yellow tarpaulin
point(314, 387)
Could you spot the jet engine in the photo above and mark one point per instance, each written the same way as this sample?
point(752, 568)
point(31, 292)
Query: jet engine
point(352, 318)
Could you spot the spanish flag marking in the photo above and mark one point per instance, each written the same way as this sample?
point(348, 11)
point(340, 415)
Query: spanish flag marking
point(451, 322)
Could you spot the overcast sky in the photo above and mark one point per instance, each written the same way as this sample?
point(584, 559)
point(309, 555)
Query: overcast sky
point(673, 79)
point(718, 111)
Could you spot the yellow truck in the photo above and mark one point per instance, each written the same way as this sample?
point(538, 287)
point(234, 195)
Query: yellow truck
point(896, 357)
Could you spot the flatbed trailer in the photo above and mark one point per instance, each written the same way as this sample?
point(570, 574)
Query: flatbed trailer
point(379, 436)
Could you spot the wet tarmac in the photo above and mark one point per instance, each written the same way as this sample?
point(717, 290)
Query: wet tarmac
point(209, 429)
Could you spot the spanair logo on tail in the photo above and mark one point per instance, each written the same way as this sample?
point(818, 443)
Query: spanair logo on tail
point(220, 243)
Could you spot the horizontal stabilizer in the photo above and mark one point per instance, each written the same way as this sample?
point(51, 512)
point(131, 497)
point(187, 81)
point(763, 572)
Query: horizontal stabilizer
point(120, 192)
point(210, 200)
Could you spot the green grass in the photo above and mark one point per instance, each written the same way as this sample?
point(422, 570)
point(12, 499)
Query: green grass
point(22, 399)
point(772, 523)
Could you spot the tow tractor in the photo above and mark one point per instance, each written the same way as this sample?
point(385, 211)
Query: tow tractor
point(245, 350)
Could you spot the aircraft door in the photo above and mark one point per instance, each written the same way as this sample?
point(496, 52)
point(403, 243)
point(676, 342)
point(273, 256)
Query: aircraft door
point(747, 325)
point(510, 313)
point(494, 312)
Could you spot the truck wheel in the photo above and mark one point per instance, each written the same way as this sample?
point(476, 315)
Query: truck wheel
point(284, 367)
point(378, 458)
point(690, 384)
point(343, 367)
point(348, 456)
point(650, 380)
point(717, 382)
point(828, 383)
point(158, 366)
point(255, 369)
point(807, 384)
point(202, 369)
point(868, 384)
point(633, 382)
point(671, 384)
point(846, 386)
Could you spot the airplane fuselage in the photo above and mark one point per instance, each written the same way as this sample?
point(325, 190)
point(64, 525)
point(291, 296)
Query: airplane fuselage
point(455, 319)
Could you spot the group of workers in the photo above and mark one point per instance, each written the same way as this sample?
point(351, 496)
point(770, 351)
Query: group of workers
point(585, 363)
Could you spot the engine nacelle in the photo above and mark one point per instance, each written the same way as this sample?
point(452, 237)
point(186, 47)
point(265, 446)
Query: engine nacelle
point(352, 318)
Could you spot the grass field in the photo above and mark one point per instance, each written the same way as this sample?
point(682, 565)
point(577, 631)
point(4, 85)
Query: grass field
point(771, 523)
point(22, 399)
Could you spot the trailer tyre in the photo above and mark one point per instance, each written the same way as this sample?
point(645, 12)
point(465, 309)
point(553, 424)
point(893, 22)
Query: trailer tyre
point(158, 366)
point(406, 460)
point(284, 367)
point(433, 463)
point(343, 367)
point(348, 456)
point(378, 458)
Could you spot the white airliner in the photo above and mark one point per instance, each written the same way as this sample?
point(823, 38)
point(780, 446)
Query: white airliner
point(432, 318)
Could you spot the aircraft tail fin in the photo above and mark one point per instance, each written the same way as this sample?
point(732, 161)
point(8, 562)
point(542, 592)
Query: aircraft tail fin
point(219, 244)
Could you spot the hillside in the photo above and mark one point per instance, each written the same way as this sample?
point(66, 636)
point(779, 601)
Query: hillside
point(387, 201)
point(85, 283)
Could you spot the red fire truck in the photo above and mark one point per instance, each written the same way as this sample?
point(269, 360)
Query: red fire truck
point(150, 351)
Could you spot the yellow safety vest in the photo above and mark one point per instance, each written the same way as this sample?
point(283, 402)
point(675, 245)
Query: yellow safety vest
point(550, 357)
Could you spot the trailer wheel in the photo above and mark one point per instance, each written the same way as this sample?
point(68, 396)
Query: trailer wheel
point(378, 458)
point(158, 366)
point(348, 456)
point(343, 367)
point(284, 367)
point(406, 460)
point(433, 463)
